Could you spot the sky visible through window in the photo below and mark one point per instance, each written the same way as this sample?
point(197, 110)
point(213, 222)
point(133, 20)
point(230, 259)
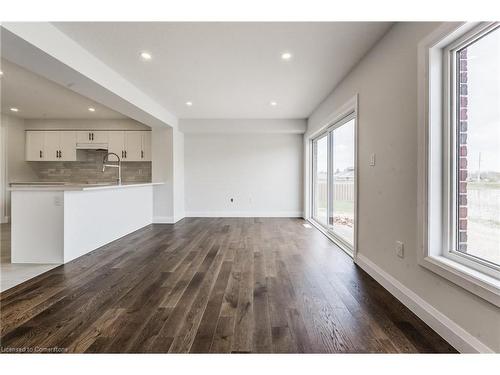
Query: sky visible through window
point(484, 103)
point(344, 141)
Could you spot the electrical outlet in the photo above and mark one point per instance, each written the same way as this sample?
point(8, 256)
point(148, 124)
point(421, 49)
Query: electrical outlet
point(400, 249)
point(372, 160)
point(58, 201)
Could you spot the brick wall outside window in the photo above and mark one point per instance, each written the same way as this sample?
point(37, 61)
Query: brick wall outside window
point(462, 150)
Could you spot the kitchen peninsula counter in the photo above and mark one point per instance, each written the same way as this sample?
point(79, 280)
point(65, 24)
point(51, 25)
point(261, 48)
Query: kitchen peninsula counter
point(56, 223)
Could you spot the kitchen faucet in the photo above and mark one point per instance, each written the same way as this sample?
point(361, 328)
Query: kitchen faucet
point(105, 164)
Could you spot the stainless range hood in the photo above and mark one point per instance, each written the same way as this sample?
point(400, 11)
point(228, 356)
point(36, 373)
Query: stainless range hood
point(91, 146)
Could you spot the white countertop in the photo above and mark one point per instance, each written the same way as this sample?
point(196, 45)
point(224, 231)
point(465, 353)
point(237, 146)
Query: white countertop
point(37, 186)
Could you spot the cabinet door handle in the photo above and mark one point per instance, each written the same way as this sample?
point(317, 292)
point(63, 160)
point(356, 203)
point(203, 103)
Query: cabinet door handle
point(89, 136)
point(60, 153)
point(92, 136)
point(41, 154)
point(125, 154)
point(142, 154)
point(122, 154)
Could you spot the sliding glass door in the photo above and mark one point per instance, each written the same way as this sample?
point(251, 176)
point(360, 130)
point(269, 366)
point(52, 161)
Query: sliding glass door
point(334, 189)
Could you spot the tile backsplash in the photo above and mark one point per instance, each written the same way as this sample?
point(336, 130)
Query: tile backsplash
point(89, 170)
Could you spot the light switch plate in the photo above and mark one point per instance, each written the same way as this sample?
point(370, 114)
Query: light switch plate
point(400, 249)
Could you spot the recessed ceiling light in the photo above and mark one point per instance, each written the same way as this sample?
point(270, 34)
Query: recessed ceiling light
point(286, 56)
point(14, 109)
point(1, 73)
point(273, 103)
point(189, 104)
point(91, 109)
point(146, 56)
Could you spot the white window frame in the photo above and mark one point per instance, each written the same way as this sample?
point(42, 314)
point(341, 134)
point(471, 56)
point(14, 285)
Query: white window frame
point(436, 169)
point(314, 144)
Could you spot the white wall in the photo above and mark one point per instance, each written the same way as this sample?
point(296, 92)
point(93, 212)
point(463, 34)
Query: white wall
point(262, 172)
point(248, 126)
point(386, 80)
point(3, 171)
point(168, 167)
point(14, 166)
point(178, 176)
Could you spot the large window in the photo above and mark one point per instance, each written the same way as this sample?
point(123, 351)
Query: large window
point(475, 158)
point(459, 152)
point(333, 198)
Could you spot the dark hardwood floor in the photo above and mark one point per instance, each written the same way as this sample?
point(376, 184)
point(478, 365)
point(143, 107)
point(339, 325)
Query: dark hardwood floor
point(212, 285)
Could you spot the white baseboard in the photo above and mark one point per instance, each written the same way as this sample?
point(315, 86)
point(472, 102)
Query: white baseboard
point(460, 339)
point(163, 220)
point(172, 220)
point(244, 214)
point(179, 217)
point(166, 219)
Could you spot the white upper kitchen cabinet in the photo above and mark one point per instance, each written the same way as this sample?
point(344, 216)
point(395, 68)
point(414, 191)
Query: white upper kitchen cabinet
point(116, 142)
point(133, 146)
point(146, 146)
point(137, 146)
point(92, 136)
point(130, 145)
point(100, 136)
point(35, 145)
point(67, 146)
point(50, 145)
point(61, 145)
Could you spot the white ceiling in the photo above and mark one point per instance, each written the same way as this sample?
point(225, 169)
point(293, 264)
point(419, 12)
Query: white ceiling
point(37, 97)
point(230, 70)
